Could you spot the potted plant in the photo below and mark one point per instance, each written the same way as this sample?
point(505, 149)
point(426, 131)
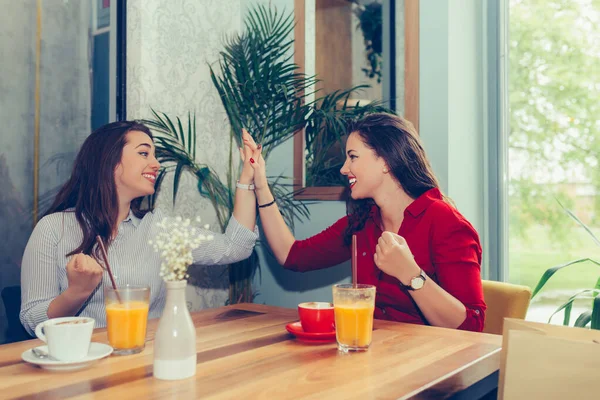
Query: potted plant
point(261, 90)
point(591, 316)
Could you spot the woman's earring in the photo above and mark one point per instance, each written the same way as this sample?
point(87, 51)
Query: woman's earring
point(385, 170)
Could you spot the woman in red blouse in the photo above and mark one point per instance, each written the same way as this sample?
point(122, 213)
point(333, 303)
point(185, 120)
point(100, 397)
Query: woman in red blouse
point(422, 255)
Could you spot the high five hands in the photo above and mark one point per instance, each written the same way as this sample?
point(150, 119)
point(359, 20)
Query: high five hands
point(256, 160)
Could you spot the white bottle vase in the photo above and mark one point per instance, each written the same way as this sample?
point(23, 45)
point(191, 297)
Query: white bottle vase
point(175, 339)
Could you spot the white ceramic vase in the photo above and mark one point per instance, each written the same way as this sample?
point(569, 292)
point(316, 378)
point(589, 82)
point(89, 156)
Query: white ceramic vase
point(175, 339)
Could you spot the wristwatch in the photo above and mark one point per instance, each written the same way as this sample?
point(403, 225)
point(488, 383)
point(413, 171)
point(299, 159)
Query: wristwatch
point(244, 186)
point(417, 282)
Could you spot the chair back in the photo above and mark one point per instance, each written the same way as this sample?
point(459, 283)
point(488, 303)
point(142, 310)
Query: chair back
point(504, 300)
point(11, 297)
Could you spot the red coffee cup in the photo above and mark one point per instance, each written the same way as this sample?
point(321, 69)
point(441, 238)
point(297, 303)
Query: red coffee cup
point(317, 317)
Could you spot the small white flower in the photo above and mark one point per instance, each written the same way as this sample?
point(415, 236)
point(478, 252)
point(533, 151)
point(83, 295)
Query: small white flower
point(175, 242)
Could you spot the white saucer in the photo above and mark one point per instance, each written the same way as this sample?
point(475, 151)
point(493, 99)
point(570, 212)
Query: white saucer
point(97, 351)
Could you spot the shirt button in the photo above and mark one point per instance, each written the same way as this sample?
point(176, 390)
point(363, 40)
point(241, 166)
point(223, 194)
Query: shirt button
point(364, 253)
point(383, 310)
point(477, 312)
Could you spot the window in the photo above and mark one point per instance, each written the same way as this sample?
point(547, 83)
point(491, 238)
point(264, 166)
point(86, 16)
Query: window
point(553, 147)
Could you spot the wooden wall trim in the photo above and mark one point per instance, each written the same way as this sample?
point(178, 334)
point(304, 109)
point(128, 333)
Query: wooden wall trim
point(299, 59)
point(411, 61)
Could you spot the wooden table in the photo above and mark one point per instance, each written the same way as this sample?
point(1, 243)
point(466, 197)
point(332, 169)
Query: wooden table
point(245, 352)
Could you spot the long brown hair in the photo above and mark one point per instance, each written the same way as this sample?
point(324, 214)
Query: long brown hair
point(91, 190)
point(395, 140)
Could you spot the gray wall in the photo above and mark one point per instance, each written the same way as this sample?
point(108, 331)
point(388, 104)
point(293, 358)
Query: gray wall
point(64, 115)
point(453, 102)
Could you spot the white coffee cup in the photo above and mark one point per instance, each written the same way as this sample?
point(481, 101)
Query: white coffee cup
point(68, 338)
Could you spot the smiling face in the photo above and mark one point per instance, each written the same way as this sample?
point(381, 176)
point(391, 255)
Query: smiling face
point(136, 174)
point(364, 169)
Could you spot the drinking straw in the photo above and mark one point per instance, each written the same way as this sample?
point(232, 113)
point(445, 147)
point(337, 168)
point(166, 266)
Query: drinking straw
point(110, 274)
point(354, 261)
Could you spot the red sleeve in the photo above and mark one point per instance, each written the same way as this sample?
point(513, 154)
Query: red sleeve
point(457, 262)
point(323, 250)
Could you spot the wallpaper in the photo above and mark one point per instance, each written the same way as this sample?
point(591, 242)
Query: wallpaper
point(170, 44)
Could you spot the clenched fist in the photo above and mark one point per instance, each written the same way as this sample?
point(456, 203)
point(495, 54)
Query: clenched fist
point(393, 257)
point(83, 273)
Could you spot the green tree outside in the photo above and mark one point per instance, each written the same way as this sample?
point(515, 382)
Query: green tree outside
point(554, 140)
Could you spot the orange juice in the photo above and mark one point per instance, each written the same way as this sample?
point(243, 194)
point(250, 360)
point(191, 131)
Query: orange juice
point(354, 324)
point(126, 324)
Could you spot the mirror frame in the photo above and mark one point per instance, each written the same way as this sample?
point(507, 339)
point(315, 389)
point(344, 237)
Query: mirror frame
point(411, 93)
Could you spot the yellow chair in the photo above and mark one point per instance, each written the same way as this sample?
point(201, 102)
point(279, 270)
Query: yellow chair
point(504, 300)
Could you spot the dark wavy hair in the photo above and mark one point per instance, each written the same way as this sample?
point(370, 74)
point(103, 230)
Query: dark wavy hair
point(91, 190)
point(395, 140)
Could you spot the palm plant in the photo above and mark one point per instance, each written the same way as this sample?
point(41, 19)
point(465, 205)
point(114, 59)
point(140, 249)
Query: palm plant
point(261, 90)
point(592, 316)
point(176, 148)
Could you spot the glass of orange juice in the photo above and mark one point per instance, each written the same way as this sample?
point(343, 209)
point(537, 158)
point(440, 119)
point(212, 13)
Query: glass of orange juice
point(126, 318)
point(353, 308)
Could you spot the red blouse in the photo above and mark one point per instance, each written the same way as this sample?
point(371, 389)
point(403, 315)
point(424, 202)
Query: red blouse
point(445, 246)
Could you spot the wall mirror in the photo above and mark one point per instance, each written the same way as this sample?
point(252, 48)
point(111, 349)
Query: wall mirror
point(347, 43)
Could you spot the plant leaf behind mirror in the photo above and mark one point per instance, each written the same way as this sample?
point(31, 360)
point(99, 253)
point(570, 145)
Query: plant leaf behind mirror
point(591, 317)
point(370, 22)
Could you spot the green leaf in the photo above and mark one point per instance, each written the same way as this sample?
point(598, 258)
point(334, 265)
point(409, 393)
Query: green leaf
point(192, 144)
point(567, 317)
point(551, 271)
point(569, 302)
point(172, 129)
point(574, 217)
point(176, 179)
point(583, 319)
point(194, 137)
point(182, 135)
point(161, 174)
point(595, 318)
point(202, 174)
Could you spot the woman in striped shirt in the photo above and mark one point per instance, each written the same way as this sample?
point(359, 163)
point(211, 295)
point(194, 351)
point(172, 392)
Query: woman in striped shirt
point(115, 169)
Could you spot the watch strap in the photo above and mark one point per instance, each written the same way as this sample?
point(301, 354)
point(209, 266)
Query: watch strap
point(421, 275)
point(244, 186)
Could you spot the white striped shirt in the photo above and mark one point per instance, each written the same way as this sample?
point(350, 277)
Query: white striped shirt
point(132, 259)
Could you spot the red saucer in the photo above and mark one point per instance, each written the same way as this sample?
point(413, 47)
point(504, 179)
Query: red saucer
point(295, 329)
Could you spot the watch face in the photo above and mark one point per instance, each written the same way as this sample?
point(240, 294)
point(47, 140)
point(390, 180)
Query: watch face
point(417, 282)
